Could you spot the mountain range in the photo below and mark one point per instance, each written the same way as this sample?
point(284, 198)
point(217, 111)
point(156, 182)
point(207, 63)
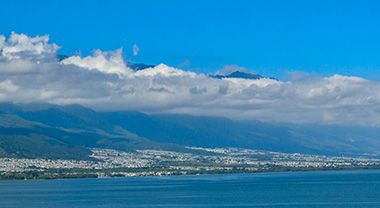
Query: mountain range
point(235, 74)
point(242, 75)
point(40, 130)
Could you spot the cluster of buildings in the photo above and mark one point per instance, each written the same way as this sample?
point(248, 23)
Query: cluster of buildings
point(203, 159)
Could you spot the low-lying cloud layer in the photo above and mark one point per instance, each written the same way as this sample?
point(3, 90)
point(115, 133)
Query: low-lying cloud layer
point(31, 72)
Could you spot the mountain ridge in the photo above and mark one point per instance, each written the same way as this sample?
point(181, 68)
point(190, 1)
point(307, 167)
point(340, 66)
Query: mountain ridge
point(241, 75)
point(75, 127)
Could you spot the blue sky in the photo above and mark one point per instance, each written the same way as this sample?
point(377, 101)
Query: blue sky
point(269, 37)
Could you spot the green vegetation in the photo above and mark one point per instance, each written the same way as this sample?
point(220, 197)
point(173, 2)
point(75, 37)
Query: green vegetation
point(31, 145)
point(39, 175)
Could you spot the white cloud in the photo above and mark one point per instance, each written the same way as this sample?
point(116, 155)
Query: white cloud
point(8, 87)
point(110, 62)
point(2, 40)
point(135, 49)
point(22, 46)
point(165, 71)
point(104, 82)
point(16, 66)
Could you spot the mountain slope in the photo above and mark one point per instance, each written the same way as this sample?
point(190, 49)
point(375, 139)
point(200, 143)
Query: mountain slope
point(45, 130)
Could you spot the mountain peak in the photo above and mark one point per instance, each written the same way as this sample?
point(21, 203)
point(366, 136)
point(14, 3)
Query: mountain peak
point(241, 75)
point(139, 66)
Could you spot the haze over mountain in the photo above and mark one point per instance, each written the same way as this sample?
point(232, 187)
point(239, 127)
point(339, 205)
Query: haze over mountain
point(39, 130)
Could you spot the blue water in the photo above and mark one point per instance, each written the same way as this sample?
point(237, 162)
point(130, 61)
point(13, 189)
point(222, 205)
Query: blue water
point(297, 189)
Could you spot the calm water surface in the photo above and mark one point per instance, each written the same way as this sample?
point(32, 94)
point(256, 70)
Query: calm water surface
point(297, 189)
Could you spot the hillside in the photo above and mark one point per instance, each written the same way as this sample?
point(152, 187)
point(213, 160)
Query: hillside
point(50, 131)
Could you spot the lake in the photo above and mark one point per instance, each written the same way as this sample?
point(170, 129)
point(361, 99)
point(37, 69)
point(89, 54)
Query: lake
point(290, 189)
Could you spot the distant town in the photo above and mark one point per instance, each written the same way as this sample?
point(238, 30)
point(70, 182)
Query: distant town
point(113, 163)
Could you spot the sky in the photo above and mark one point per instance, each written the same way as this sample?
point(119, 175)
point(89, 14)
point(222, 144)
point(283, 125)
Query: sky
point(271, 38)
point(324, 55)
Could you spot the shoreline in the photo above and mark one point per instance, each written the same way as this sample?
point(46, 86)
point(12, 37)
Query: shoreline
point(54, 176)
